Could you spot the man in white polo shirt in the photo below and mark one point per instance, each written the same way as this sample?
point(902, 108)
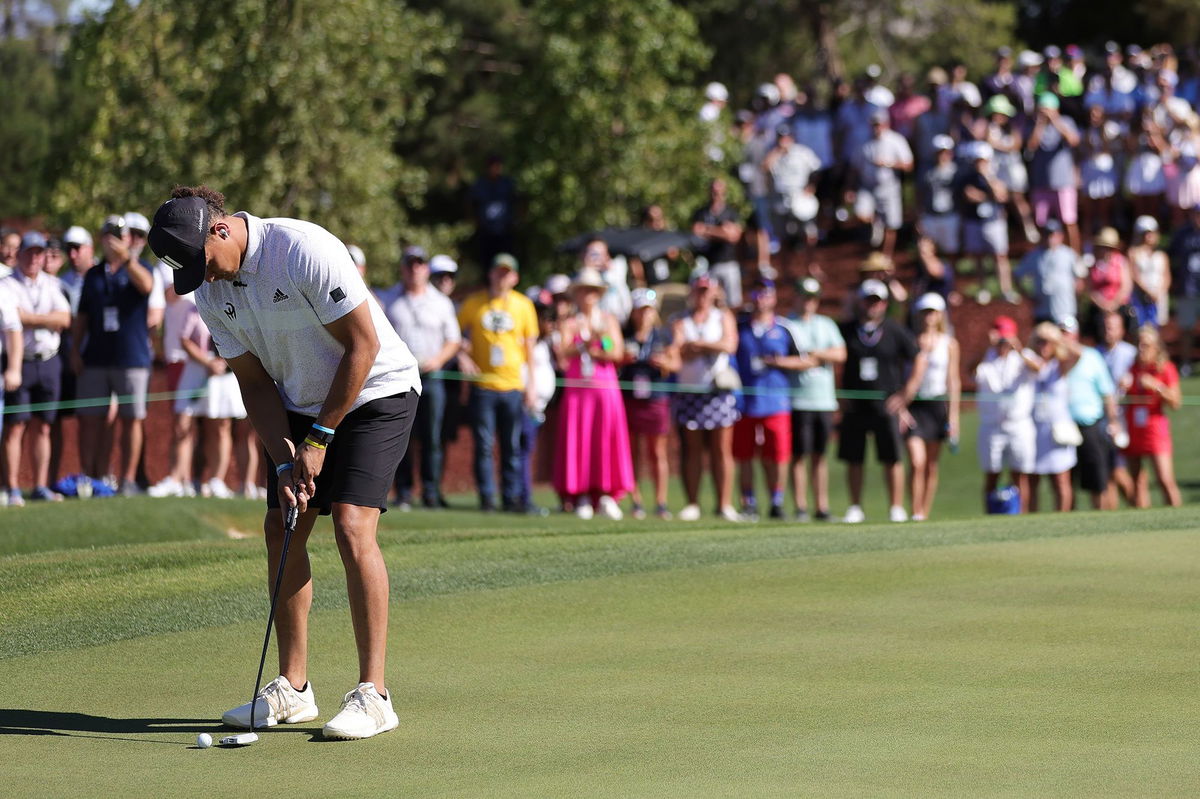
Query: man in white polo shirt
point(426, 321)
point(44, 313)
point(332, 392)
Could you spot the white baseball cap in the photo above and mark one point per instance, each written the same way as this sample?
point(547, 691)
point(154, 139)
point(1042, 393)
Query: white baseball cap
point(716, 92)
point(1144, 224)
point(929, 302)
point(357, 255)
point(443, 264)
point(873, 288)
point(558, 284)
point(77, 235)
point(644, 298)
point(135, 221)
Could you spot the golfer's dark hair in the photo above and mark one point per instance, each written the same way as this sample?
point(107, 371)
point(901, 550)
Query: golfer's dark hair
point(213, 198)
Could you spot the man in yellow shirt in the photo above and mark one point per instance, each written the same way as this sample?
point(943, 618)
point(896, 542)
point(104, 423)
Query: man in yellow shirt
point(499, 329)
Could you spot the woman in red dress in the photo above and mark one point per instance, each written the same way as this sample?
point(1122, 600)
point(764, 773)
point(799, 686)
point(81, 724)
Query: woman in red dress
point(1153, 384)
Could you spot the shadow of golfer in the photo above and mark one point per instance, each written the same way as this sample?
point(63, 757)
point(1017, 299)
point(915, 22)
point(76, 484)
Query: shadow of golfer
point(83, 725)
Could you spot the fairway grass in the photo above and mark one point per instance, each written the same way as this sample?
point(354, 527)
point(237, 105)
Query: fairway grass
point(1052, 655)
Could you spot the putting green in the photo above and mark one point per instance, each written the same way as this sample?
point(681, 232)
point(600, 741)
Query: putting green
point(1025, 657)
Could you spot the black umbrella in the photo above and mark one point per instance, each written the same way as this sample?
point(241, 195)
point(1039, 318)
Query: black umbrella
point(635, 242)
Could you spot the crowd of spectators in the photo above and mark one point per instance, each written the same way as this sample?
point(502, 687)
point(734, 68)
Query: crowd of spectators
point(1087, 168)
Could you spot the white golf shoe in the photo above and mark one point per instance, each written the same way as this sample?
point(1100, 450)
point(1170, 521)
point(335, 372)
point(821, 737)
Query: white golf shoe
point(278, 703)
point(364, 713)
point(610, 508)
point(854, 515)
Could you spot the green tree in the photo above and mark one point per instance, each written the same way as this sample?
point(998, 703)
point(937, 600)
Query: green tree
point(29, 103)
point(290, 108)
point(819, 38)
point(604, 116)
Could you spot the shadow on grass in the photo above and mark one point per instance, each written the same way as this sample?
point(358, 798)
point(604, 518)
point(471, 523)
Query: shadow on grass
point(82, 725)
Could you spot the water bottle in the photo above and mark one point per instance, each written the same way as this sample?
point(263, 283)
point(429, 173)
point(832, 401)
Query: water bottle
point(953, 445)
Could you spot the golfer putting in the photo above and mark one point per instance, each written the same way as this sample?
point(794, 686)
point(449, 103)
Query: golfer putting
point(332, 392)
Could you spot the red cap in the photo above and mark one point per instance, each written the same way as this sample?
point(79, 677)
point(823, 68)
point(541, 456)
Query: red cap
point(1006, 326)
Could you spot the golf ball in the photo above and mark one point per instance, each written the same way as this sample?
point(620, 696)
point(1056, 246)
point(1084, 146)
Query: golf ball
point(203, 740)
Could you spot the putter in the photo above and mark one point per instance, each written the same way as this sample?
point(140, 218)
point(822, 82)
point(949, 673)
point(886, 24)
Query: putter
point(289, 527)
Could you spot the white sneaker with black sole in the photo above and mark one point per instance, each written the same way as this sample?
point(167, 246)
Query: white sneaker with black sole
point(364, 714)
point(278, 703)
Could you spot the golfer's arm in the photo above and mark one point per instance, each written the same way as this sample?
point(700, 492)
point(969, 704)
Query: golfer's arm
point(263, 406)
point(356, 333)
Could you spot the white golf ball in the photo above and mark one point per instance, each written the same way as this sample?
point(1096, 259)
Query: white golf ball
point(203, 740)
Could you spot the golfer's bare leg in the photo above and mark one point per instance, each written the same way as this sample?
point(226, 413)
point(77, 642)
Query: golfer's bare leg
point(355, 527)
point(295, 593)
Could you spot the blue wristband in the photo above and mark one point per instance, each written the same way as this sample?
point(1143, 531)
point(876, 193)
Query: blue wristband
point(324, 430)
point(283, 467)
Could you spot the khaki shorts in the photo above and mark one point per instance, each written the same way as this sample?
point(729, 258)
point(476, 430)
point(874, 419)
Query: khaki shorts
point(102, 382)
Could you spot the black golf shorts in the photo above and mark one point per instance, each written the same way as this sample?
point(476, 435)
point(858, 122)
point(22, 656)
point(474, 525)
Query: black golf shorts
point(362, 460)
point(811, 431)
point(852, 436)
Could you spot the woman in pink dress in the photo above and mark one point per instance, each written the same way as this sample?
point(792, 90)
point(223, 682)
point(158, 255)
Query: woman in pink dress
point(592, 462)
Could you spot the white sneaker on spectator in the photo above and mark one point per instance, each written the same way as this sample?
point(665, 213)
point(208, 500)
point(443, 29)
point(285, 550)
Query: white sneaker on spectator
point(690, 513)
point(278, 702)
point(897, 514)
point(364, 713)
point(854, 515)
point(730, 514)
point(166, 487)
point(3, 498)
point(15, 500)
point(584, 510)
point(217, 488)
point(610, 508)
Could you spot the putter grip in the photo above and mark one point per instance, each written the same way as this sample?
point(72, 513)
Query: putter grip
point(290, 520)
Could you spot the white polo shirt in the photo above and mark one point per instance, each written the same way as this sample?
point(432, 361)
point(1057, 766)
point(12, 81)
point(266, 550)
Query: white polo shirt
point(9, 320)
point(297, 277)
point(425, 321)
point(41, 295)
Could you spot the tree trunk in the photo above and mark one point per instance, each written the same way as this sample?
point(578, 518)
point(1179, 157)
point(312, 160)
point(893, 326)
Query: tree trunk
point(829, 56)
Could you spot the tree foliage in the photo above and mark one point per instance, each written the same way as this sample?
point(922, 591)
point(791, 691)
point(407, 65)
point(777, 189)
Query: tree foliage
point(29, 104)
point(604, 115)
point(752, 41)
point(290, 108)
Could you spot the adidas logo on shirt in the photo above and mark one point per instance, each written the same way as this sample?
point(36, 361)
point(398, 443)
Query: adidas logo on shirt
point(279, 296)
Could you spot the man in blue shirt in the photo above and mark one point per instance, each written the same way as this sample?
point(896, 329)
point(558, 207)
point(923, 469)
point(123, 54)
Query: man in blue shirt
point(1052, 270)
point(766, 351)
point(110, 353)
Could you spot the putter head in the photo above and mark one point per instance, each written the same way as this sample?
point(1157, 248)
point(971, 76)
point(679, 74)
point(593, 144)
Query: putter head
point(241, 739)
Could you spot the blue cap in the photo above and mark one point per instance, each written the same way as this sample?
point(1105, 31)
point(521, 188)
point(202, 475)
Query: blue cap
point(33, 240)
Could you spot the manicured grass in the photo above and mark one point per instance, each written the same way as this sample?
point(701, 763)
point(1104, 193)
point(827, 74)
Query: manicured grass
point(1048, 655)
point(1040, 656)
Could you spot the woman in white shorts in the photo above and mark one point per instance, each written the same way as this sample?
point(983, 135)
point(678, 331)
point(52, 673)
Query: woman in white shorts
point(207, 389)
point(1005, 385)
point(1056, 443)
